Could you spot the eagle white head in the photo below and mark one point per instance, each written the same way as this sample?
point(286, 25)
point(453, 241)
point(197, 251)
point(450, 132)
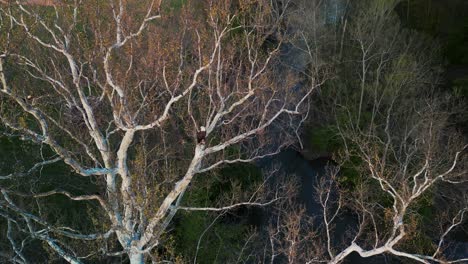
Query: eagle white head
point(202, 128)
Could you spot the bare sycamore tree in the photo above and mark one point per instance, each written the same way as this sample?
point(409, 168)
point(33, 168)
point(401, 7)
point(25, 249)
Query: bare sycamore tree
point(408, 161)
point(403, 150)
point(410, 157)
point(401, 155)
point(140, 97)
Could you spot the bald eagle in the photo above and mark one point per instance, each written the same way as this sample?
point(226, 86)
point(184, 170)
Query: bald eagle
point(201, 135)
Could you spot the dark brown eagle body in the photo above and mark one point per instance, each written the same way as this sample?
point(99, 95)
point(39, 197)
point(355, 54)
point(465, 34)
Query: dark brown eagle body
point(201, 135)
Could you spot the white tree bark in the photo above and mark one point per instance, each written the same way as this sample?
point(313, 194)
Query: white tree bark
point(232, 94)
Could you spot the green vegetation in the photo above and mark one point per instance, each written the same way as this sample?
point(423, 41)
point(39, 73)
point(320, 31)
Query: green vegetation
point(212, 237)
point(379, 84)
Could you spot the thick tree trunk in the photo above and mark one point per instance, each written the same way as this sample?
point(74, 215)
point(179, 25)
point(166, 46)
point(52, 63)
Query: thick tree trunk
point(136, 258)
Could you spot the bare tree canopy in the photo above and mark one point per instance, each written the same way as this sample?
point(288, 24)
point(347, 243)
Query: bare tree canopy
point(398, 188)
point(147, 131)
point(118, 91)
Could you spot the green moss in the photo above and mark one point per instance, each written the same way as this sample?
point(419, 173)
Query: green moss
point(323, 139)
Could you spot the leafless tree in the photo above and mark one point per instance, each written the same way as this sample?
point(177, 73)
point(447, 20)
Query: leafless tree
point(410, 158)
point(406, 158)
point(118, 91)
point(398, 131)
point(399, 151)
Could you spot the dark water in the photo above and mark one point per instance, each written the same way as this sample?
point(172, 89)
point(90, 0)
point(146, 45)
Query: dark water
point(308, 173)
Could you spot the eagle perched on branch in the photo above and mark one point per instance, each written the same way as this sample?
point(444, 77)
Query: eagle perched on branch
point(201, 135)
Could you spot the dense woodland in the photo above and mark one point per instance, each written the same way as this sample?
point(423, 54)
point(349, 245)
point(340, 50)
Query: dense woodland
point(234, 131)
